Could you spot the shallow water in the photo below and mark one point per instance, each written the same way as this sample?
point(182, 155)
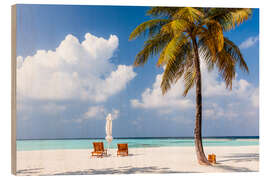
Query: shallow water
point(28, 145)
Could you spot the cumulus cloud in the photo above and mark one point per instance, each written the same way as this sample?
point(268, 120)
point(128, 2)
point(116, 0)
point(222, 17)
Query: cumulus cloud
point(94, 111)
point(218, 102)
point(73, 70)
point(212, 86)
point(114, 83)
point(152, 98)
point(249, 42)
point(215, 111)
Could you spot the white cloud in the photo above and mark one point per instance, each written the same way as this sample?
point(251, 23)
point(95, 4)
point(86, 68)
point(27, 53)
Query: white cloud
point(52, 108)
point(218, 102)
point(249, 42)
point(214, 111)
point(73, 71)
point(114, 83)
point(94, 111)
point(99, 111)
point(212, 86)
point(255, 98)
point(115, 114)
point(152, 98)
point(19, 61)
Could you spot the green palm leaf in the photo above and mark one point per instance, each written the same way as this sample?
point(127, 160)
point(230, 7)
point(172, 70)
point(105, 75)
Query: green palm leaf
point(162, 11)
point(175, 67)
point(152, 26)
point(152, 47)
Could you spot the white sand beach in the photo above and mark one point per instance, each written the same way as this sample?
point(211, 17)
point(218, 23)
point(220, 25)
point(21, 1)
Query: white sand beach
point(140, 160)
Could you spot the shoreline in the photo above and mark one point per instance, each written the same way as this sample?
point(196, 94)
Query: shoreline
point(140, 160)
point(115, 148)
point(31, 145)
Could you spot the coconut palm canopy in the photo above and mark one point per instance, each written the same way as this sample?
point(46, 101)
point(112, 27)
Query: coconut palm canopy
point(182, 37)
point(170, 35)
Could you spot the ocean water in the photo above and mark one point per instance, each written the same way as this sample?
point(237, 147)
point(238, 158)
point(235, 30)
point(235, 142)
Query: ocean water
point(29, 145)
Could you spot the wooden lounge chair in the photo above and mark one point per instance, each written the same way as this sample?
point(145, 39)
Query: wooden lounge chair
point(99, 150)
point(122, 150)
point(212, 158)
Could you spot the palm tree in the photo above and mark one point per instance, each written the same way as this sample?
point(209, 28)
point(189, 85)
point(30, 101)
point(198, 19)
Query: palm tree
point(180, 37)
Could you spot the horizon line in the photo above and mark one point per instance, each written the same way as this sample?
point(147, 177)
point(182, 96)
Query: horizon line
point(169, 137)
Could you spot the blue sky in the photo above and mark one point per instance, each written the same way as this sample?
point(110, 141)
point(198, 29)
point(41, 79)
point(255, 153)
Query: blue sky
point(75, 66)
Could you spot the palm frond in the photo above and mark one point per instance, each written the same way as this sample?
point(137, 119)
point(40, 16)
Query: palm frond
point(170, 52)
point(189, 79)
point(215, 30)
point(206, 55)
point(175, 67)
point(226, 67)
point(152, 26)
point(229, 17)
point(235, 52)
point(162, 11)
point(152, 47)
point(175, 27)
point(189, 14)
point(225, 60)
point(208, 44)
point(241, 15)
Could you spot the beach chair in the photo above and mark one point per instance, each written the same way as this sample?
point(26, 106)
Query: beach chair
point(122, 150)
point(212, 158)
point(99, 150)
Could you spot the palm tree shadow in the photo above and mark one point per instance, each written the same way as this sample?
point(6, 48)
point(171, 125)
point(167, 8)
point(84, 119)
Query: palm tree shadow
point(237, 158)
point(240, 157)
point(234, 169)
point(28, 172)
point(122, 170)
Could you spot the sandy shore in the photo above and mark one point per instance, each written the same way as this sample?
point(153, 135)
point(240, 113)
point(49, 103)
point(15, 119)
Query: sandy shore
point(140, 160)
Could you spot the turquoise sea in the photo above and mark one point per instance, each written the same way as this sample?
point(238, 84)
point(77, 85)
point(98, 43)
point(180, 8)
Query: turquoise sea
point(29, 145)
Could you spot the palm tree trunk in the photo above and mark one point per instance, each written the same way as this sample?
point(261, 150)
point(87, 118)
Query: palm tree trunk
point(198, 122)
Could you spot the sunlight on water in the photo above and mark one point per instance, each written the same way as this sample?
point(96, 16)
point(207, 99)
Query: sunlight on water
point(28, 145)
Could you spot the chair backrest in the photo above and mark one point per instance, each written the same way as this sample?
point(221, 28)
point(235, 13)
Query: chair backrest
point(98, 146)
point(122, 147)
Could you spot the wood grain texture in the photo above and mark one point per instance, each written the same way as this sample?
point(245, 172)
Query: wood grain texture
point(13, 90)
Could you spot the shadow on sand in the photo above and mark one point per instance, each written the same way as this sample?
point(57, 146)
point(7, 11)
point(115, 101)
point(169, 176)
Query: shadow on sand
point(240, 157)
point(236, 158)
point(221, 165)
point(114, 156)
point(27, 172)
point(122, 170)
